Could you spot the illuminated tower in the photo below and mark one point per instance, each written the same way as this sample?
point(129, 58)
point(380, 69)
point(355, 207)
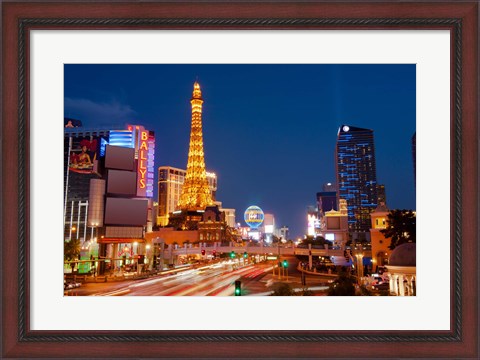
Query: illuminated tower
point(196, 193)
point(356, 175)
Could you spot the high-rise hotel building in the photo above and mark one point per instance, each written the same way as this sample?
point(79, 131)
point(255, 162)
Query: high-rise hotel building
point(81, 149)
point(170, 184)
point(356, 175)
point(414, 157)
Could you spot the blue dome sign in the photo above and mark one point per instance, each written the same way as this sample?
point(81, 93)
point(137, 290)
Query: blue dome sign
point(253, 216)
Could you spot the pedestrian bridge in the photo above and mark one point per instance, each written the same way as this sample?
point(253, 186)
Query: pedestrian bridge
point(217, 248)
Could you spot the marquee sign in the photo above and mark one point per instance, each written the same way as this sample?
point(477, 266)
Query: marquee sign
point(142, 164)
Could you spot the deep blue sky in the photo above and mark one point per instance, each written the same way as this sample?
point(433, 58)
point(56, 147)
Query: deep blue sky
point(269, 130)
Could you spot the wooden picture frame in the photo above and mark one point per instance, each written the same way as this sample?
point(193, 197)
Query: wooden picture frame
point(460, 18)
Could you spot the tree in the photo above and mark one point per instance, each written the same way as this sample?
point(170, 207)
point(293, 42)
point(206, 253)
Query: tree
point(71, 251)
point(314, 240)
point(276, 239)
point(401, 227)
point(344, 285)
point(283, 289)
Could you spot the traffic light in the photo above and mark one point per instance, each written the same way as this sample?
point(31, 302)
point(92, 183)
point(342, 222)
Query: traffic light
point(232, 254)
point(203, 252)
point(285, 263)
point(238, 288)
point(245, 254)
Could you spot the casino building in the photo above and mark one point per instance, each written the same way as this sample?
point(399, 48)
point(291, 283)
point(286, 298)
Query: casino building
point(105, 171)
point(196, 194)
point(81, 150)
point(187, 210)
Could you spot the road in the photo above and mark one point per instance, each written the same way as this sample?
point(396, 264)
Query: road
point(210, 280)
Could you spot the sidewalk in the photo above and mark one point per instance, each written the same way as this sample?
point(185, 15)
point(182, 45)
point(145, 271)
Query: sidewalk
point(314, 272)
point(313, 289)
point(84, 278)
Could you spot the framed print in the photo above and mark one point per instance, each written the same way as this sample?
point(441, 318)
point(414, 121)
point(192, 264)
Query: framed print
point(42, 41)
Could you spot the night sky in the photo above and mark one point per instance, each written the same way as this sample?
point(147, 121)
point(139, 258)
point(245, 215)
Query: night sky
point(269, 130)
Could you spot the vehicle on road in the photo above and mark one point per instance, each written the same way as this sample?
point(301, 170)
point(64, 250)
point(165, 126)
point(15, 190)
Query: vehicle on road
point(381, 286)
point(67, 285)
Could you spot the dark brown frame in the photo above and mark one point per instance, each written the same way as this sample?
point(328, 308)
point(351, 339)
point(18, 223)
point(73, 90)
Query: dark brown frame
point(461, 18)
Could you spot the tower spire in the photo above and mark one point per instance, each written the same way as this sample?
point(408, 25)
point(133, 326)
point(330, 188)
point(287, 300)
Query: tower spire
point(196, 192)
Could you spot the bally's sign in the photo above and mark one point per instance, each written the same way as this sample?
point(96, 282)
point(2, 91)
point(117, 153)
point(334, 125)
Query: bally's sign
point(142, 165)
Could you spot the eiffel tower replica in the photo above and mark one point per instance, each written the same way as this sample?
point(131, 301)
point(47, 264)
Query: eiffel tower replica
point(195, 196)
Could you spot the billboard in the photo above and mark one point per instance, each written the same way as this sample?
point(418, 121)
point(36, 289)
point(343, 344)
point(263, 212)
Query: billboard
point(253, 216)
point(129, 212)
point(120, 158)
point(121, 182)
point(83, 153)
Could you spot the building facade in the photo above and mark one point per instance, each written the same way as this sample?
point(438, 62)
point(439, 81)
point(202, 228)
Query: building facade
point(121, 201)
point(284, 233)
point(356, 175)
point(326, 201)
point(335, 226)
point(414, 157)
point(380, 244)
point(81, 152)
point(212, 226)
point(381, 194)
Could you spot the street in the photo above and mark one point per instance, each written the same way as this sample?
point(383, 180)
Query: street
point(215, 279)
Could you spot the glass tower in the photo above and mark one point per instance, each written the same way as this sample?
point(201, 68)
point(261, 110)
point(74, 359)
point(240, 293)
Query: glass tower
point(356, 175)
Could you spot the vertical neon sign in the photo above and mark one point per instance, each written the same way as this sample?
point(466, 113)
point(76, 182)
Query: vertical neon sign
point(142, 165)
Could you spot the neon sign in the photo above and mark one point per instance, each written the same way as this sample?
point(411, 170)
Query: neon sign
point(142, 164)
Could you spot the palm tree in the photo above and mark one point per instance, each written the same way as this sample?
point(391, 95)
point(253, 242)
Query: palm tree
point(401, 227)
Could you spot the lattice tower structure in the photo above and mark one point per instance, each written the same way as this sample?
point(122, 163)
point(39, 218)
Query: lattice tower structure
point(195, 193)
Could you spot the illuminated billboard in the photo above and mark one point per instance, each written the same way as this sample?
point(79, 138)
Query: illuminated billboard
point(254, 235)
point(268, 229)
point(253, 216)
point(311, 220)
point(83, 154)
